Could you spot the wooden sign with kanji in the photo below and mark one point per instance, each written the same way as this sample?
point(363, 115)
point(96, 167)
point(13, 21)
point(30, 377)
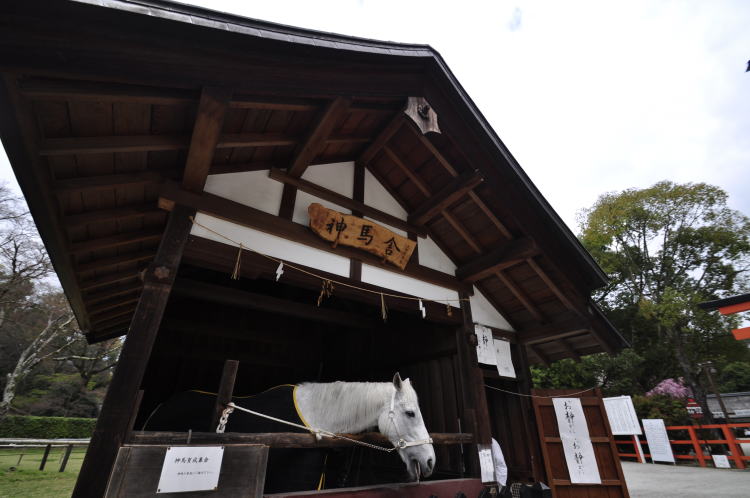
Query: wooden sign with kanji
point(363, 234)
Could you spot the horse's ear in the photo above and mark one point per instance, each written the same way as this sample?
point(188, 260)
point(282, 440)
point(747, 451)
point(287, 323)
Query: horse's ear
point(397, 381)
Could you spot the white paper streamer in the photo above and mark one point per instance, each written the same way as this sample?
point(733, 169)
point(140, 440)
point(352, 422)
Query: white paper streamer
point(279, 270)
point(422, 309)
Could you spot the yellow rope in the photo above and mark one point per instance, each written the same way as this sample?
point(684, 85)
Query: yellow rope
point(315, 275)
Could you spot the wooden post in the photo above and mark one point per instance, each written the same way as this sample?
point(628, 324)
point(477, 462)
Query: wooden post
point(696, 447)
point(65, 457)
point(473, 378)
point(733, 446)
point(530, 423)
point(638, 449)
point(113, 423)
point(226, 388)
point(44, 457)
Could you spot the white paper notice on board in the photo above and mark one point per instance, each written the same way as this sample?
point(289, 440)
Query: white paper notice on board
point(721, 462)
point(574, 434)
point(485, 346)
point(658, 441)
point(621, 416)
point(190, 468)
point(503, 359)
point(486, 465)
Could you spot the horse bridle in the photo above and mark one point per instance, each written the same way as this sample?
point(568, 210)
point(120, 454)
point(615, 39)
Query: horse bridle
point(403, 443)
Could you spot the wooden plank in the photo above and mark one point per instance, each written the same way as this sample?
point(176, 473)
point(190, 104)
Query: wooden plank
point(741, 334)
point(569, 349)
point(232, 140)
point(121, 239)
point(407, 171)
point(445, 197)
point(269, 104)
point(106, 182)
point(137, 470)
point(119, 291)
point(347, 202)
point(254, 218)
point(222, 169)
point(226, 388)
point(100, 309)
point(105, 263)
point(520, 295)
point(542, 357)
point(212, 108)
point(285, 439)
point(105, 280)
point(358, 194)
point(735, 308)
point(109, 144)
point(552, 286)
point(251, 300)
point(104, 215)
point(112, 424)
point(569, 327)
point(315, 141)
point(503, 256)
point(126, 310)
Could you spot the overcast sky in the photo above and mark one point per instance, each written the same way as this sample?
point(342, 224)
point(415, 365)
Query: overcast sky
point(590, 97)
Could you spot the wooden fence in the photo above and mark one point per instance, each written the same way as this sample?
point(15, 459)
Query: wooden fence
point(696, 442)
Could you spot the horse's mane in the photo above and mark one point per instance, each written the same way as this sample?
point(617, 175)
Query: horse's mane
point(348, 407)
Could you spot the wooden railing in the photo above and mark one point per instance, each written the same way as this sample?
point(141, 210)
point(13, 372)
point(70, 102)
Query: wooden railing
point(730, 441)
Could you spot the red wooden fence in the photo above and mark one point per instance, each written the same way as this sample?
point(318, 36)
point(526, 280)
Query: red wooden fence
point(734, 451)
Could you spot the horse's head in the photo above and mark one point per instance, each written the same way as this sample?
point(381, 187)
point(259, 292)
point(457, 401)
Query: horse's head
point(401, 422)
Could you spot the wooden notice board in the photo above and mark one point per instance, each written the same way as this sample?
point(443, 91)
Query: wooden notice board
point(138, 468)
point(613, 482)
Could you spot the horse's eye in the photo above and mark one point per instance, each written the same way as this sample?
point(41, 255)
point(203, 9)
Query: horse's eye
point(411, 414)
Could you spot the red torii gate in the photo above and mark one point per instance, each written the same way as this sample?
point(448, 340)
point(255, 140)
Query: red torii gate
point(730, 306)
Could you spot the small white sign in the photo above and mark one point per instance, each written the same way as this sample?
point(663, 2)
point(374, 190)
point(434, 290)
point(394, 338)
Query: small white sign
point(486, 465)
point(190, 468)
point(721, 462)
point(485, 346)
point(621, 416)
point(503, 359)
point(576, 441)
point(657, 439)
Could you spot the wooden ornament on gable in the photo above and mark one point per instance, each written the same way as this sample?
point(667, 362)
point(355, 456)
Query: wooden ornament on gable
point(424, 116)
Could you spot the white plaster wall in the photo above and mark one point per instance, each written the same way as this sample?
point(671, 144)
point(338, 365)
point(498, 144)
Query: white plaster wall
point(251, 188)
point(431, 256)
point(484, 313)
point(401, 283)
point(378, 197)
point(270, 245)
point(338, 177)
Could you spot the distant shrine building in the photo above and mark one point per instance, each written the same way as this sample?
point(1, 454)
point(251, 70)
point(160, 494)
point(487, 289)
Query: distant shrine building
point(171, 156)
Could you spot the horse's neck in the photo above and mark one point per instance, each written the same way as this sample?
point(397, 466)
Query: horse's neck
point(343, 407)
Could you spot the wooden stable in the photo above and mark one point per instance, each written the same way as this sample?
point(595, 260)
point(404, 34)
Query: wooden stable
point(127, 121)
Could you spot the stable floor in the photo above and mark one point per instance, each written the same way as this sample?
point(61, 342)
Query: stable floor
point(669, 481)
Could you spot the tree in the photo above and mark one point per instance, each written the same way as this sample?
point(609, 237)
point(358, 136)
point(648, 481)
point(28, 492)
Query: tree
point(666, 248)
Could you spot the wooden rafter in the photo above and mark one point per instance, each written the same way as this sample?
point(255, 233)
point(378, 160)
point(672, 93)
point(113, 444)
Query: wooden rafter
point(542, 357)
point(118, 240)
point(106, 182)
point(315, 141)
point(552, 286)
point(106, 280)
point(503, 256)
point(445, 197)
point(344, 201)
point(117, 292)
point(569, 327)
point(112, 314)
point(104, 215)
point(111, 305)
point(106, 263)
point(382, 139)
point(520, 295)
point(212, 109)
point(569, 349)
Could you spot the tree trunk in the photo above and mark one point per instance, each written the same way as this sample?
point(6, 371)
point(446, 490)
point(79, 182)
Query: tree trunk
point(9, 392)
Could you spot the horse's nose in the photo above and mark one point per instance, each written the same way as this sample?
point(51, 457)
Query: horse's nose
point(430, 464)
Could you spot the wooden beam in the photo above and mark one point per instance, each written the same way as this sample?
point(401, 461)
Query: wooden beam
point(84, 91)
point(315, 141)
point(542, 357)
point(254, 218)
point(226, 388)
point(126, 310)
point(105, 215)
point(233, 140)
point(121, 239)
point(222, 169)
point(109, 144)
point(555, 331)
point(284, 439)
point(569, 349)
point(503, 256)
point(407, 171)
point(552, 285)
point(122, 259)
point(250, 300)
point(212, 108)
point(458, 227)
point(445, 197)
point(105, 182)
point(383, 137)
point(110, 279)
point(103, 334)
point(112, 425)
point(344, 201)
point(735, 308)
point(520, 295)
point(269, 104)
point(112, 304)
point(117, 292)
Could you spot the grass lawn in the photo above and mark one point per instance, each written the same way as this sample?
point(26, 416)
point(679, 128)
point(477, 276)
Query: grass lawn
point(28, 481)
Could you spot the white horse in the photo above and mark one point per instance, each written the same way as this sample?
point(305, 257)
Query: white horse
point(352, 407)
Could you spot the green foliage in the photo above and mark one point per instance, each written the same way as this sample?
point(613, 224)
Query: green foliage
point(672, 410)
point(18, 426)
point(735, 377)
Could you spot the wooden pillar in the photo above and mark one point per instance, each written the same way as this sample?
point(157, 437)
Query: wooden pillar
point(226, 388)
point(524, 387)
point(472, 377)
point(113, 423)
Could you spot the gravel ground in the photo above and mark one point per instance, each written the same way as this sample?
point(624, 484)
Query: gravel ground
point(647, 480)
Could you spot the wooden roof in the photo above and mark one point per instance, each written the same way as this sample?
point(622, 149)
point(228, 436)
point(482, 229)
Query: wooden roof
point(105, 101)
